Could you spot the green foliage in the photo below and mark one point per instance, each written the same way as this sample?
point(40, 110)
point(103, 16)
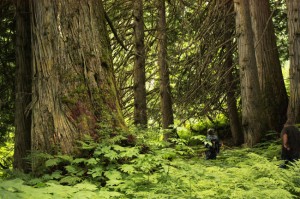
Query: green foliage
point(6, 154)
point(16, 189)
point(7, 69)
point(285, 73)
point(113, 170)
point(220, 122)
point(183, 132)
point(278, 8)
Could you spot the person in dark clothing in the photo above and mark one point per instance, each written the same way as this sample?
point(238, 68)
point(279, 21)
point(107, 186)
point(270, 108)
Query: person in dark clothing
point(290, 136)
point(213, 145)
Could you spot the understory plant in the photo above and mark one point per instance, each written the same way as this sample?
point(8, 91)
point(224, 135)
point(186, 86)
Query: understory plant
point(152, 168)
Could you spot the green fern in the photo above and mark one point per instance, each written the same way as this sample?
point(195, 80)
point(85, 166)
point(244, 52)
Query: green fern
point(92, 161)
point(163, 171)
point(72, 169)
point(111, 155)
point(130, 152)
point(96, 172)
point(79, 160)
point(70, 180)
point(113, 175)
point(109, 194)
point(52, 162)
point(87, 186)
point(128, 168)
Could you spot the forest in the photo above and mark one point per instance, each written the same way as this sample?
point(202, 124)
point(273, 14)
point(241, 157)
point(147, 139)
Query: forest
point(117, 98)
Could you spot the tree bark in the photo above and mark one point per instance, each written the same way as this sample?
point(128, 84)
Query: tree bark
point(73, 92)
point(252, 113)
point(234, 119)
point(231, 84)
point(165, 89)
point(23, 86)
point(140, 105)
point(293, 7)
point(269, 70)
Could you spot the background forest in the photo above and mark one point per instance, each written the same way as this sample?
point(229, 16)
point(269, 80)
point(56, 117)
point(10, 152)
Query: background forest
point(113, 98)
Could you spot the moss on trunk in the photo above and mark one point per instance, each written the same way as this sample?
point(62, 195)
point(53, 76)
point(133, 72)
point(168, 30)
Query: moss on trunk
point(73, 82)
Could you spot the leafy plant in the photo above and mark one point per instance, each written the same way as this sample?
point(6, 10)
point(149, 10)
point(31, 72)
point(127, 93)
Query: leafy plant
point(114, 170)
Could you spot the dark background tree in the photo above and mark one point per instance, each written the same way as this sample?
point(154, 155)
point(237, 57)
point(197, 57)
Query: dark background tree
point(23, 86)
point(140, 104)
point(164, 74)
point(230, 81)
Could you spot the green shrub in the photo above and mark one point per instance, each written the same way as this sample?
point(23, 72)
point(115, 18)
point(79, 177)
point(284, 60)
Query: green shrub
point(113, 170)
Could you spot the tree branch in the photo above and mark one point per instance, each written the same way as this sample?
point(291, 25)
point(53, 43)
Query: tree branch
point(114, 31)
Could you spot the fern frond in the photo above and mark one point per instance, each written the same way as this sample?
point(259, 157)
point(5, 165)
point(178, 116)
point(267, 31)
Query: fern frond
point(52, 162)
point(96, 172)
point(130, 152)
point(70, 180)
point(128, 168)
point(113, 175)
point(86, 186)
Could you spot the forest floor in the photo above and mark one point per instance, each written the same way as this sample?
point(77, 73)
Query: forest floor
point(180, 172)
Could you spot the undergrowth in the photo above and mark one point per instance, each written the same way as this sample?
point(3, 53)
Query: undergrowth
point(151, 168)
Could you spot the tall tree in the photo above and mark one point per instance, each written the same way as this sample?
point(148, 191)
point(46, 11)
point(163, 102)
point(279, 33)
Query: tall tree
point(165, 89)
point(140, 105)
point(269, 70)
point(73, 86)
point(234, 119)
point(23, 86)
point(293, 7)
point(252, 110)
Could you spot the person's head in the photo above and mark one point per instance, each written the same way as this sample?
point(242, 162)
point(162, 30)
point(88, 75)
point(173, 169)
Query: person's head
point(210, 131)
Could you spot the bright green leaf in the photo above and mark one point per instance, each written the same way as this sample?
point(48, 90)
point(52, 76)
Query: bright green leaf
point(113, 175)
point(128, 168)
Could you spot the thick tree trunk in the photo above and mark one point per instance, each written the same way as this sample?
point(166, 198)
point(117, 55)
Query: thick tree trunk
point(23, 86)
point(294, 52)
point(269, 70)
point(73, 92)
point(165, 90)
point(252, 113)
point(140, 106)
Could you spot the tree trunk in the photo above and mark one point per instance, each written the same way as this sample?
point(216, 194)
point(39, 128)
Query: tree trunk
point(140, 106)
point(252, 113)
point(234, 119)
point(293, 7)
point(23, 86)
point(73, 92)
point(235, 124)
point(269, 70)
point(165, 90)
